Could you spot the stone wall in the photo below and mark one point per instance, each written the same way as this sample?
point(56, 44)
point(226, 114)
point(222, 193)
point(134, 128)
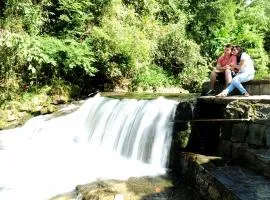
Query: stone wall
point(230, 133)
point(254, 133)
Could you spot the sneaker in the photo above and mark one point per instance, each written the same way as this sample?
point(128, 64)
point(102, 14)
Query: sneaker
point(246, 94)
point(210, 92)
point(222, 94)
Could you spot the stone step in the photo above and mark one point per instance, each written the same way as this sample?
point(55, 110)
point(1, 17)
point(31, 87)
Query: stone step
point(195, 170)
point(215, 179)
point(244, 183)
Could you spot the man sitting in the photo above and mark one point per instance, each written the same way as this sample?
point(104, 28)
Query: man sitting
point(223, 68)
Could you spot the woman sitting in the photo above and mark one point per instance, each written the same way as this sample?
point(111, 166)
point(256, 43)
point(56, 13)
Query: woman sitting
point(246, 72)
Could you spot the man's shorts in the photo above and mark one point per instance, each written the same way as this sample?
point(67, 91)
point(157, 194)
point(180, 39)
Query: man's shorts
point(221, 76)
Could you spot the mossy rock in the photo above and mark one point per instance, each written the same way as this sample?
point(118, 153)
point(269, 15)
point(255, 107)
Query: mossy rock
point(240, 110)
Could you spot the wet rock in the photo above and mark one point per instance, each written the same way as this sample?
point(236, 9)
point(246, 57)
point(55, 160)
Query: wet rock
point(225, 148)
point(136, 188)
point(256, 135)
point(214, 193)
point(267, 136)
point(258, 160)
point(239, 132)
point(238, 150)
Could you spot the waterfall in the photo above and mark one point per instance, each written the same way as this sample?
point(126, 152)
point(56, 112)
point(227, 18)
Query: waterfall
point(104, 138)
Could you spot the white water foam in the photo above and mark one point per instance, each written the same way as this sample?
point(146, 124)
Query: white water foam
point(104, 139)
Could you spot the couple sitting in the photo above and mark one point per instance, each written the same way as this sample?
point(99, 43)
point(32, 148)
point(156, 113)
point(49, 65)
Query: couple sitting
point(236, 66)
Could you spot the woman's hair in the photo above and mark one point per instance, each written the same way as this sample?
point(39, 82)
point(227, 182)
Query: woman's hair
point(240, 51)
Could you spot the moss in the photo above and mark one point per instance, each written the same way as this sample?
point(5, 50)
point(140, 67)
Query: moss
point(183, 136)
point(148, 185)
point(240, 109)
point(182, 97)
point(16, 112)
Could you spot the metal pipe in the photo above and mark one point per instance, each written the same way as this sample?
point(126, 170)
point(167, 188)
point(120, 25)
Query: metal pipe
point(212, 120)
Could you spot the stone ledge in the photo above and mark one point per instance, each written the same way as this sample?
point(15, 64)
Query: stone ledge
point(228, 99)
point(258, 82)
point(254, 87)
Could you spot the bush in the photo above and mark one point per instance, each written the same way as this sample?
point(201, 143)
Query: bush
point(192, 78)
point(121, 45)
point(253, 43)
point(175, 52)
point(152, 77)
point(23, 16)
point(35, 61)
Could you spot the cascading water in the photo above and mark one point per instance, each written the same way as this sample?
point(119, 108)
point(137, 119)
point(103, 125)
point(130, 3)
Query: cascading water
point(105, 138)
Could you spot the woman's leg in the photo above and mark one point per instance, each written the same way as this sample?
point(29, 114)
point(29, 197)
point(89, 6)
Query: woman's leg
point(241, 78)
point(236, 83)
point(228, 89)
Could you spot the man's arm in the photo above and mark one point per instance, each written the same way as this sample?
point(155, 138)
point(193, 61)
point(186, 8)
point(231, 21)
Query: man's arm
point(233, 60)
point(233, 64)
point(219, 66)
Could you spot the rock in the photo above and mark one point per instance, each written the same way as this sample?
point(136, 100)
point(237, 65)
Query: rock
point(256, 134)
point(58, 99)
point(267, 132)
point(239, 132)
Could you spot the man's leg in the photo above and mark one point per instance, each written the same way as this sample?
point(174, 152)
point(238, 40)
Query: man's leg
point(213, 78)
point(228, 77)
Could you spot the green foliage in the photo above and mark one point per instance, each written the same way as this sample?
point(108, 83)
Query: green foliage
point(181, 58)
point(46, 58)
point(252, 24)
point(2, 7)
point(98, 8)
point(138, 43)
point(23, 16)
point(253, 43)
point(72, 17)
point(217, 23)
point(28, 62)
point(67, 17)
point(10, 64)
point(192, 78)
point(142, 7)
point(121, 46)
point(175, 51)
point(152, 77)
point(64, 54)
point(172, 11)
point(211, 24)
